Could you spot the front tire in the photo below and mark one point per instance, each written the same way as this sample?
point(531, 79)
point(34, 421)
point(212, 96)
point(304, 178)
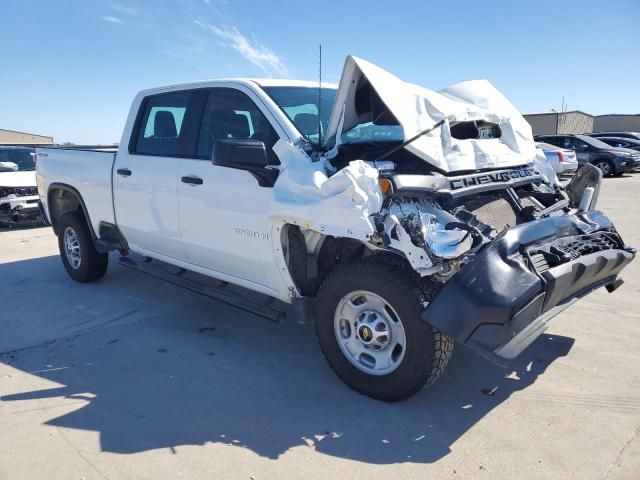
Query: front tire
point(79, 256)
point(606, 167)
point(370, 331)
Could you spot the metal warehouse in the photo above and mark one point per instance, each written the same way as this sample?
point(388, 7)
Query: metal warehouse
point(11, 137)
point(580, 122)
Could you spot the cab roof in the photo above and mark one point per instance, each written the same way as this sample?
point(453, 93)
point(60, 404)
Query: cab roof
point(261, 82)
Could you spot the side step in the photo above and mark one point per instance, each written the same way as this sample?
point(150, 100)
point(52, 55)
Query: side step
point(221, 291)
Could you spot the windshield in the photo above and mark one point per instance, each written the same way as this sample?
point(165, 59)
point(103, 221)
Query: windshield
point(300, 104)
point(594, 142)
point(16, 159)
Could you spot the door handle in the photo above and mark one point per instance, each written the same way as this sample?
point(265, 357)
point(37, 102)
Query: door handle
point(192, 180)
point(125, 172)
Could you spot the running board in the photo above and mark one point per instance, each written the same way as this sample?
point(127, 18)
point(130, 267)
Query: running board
point(217, 292)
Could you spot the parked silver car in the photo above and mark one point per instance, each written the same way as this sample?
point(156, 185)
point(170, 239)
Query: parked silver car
point(562, 160)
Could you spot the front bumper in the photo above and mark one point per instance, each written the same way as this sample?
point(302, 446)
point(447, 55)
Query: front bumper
point(501, 301)
point(629, 165)
point(19, 209)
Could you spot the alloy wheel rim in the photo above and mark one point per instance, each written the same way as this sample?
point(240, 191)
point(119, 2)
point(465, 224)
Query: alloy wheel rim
point(72, 248)
point(604, 167)
point(369, 333)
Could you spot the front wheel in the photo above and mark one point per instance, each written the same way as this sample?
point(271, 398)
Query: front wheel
point(370, 331)
point(79, 256)
point(606, 167)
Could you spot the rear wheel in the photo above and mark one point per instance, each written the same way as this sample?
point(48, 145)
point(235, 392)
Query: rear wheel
point(79, 256)
point(369, 327)
point(606, 167)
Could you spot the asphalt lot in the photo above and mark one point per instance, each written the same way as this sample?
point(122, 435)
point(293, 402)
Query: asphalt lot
point(132, 377)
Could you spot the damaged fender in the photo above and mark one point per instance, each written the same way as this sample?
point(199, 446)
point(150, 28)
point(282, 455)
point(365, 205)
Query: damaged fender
point(338, 205)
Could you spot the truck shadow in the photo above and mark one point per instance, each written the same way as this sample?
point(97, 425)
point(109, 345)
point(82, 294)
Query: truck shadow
point(245, 382)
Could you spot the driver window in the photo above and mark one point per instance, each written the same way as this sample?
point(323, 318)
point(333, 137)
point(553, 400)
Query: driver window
point(229, 114)
point(574, 144)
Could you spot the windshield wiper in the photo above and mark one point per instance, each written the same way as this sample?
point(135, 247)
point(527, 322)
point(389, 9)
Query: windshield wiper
point(450, 118)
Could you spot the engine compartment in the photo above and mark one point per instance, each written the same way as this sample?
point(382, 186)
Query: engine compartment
point(439, 222)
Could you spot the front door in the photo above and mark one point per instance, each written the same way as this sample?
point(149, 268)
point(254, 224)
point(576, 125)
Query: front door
point(224, 219)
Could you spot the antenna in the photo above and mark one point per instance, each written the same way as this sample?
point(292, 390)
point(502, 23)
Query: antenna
point(320, 95)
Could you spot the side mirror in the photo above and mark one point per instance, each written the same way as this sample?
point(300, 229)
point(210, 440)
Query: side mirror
point(240, 153)
point(245, 154)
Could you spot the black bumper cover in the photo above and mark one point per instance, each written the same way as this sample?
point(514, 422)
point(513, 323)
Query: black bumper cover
point(498, 304)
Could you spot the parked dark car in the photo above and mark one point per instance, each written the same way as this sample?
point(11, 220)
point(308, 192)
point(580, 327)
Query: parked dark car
point(634, 135)
point(618, 142)
point(611, 160)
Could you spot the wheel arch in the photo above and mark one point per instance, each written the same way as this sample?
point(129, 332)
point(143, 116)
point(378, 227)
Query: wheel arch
point(310, 256)
point(63, 198)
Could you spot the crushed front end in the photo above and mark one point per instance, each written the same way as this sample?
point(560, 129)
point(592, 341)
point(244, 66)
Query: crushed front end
point(502, 300)
point(510, 250)
point(19, 205)
point(451, 181)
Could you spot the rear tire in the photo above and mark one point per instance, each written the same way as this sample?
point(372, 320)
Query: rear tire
point(79, 256)
point(394, 297)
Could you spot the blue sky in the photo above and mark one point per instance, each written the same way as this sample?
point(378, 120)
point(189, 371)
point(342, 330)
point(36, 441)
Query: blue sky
point(71, 68)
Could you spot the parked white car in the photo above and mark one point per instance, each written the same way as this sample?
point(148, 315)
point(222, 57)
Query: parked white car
point(18, 191)
point(407, 218)
point(563, 160)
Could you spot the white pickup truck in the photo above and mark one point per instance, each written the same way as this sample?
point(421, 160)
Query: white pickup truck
point(408, 218)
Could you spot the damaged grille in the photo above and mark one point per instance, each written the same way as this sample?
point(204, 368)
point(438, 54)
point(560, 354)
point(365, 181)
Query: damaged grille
point(566, 249)
point(18, 191)
point(497, 212)
point(490, 214)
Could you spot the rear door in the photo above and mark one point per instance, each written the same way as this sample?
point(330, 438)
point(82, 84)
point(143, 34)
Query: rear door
point(145, 176)
point(224, 212)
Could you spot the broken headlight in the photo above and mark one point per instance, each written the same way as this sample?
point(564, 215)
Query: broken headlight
point(443, 241)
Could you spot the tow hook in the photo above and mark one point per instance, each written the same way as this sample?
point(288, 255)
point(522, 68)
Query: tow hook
point(613, 286)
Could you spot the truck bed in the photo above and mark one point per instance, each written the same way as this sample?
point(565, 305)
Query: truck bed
point(64, 166)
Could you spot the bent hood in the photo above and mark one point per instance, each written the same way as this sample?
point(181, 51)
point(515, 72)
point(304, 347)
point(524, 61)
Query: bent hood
point(369, 93)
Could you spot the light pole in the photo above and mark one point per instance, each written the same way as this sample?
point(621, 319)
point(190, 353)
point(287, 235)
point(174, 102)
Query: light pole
point(557, 118)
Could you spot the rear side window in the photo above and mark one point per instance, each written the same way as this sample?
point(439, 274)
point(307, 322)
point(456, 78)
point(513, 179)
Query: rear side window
point(568, 143)
point(161, 127)
point(553, 140)
point(578, 144)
